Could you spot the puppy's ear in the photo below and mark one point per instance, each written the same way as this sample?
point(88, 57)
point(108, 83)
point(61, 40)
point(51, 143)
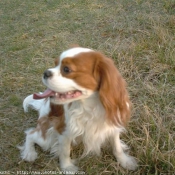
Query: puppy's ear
point(112, 91)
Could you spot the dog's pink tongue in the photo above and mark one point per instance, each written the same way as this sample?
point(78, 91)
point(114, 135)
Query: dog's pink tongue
point(45, 94)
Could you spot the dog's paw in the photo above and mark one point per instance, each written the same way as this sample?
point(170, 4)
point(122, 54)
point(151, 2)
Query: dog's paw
point(128, 162)
point(70, 169)
point(28, 155)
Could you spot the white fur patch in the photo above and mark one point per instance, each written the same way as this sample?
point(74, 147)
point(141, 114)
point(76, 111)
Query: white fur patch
point(74, 51)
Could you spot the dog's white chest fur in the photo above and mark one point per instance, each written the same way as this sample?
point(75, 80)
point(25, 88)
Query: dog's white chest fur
point(87, 119)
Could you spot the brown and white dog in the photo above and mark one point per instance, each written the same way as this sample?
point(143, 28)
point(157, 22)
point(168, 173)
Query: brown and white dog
point(86, 98)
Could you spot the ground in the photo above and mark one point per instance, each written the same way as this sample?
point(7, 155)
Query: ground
point(137, 34)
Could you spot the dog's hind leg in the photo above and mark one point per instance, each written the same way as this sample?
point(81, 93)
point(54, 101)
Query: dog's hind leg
point(28, 152)
point(44, 138)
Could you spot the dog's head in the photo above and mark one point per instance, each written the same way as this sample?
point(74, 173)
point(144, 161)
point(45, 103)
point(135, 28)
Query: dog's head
point(81, 73)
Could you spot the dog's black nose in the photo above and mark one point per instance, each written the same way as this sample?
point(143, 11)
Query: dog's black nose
point(47, 74)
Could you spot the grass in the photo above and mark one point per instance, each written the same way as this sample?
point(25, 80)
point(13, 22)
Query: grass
point(137, 34)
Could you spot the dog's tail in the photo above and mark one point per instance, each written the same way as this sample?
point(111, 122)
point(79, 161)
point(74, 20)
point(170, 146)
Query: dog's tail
point(40, 105)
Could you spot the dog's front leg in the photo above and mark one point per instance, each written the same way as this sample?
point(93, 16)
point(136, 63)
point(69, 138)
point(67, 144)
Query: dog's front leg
point(125, 160)
point(64, 154)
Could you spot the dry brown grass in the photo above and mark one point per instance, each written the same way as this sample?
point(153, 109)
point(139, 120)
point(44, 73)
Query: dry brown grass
point(137, 34)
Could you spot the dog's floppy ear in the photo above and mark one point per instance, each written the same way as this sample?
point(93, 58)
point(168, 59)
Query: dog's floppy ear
point(112, 91)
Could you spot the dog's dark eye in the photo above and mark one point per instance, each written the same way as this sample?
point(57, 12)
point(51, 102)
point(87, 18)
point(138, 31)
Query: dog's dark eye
point(66, 69)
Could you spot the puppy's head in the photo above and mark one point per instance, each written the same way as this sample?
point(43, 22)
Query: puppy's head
point(82, 72)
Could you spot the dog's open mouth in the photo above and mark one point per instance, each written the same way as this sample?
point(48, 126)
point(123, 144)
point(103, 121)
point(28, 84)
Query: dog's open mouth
point(58, 95)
